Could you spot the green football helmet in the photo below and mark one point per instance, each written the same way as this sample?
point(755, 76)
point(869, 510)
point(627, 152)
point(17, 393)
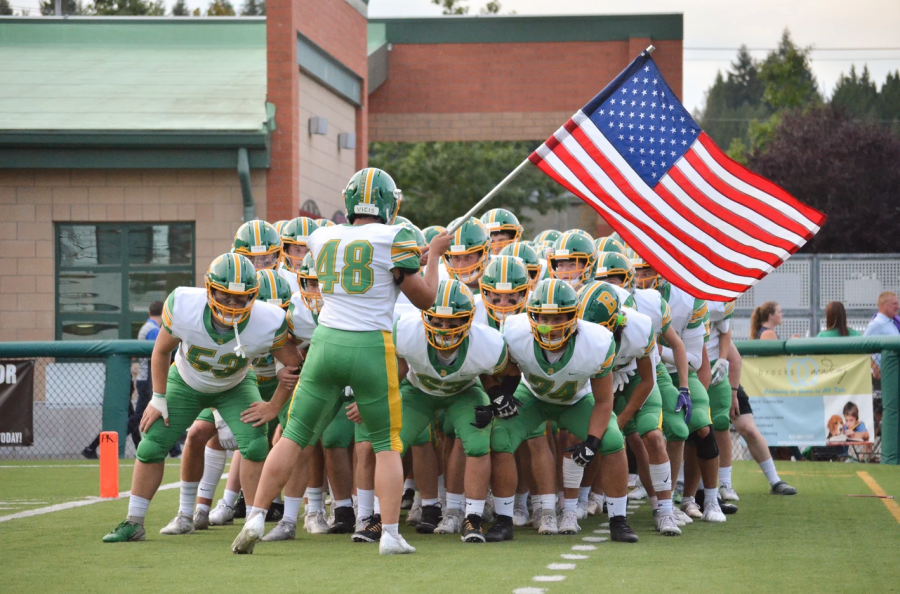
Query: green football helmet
point(608, 244)
point(279, 225)
point(398, 220)
point(324, 222)
point(371, 192)
point(296, 232)
point(448, 321)
point(545, 237)
point(470, 238)
point(309, 284)
point(581, 232)
point(235, 275)
point(599, 303)
point(260, 242)
point(524, 250)
point(273, 288)
point(645, 276)
point(500, 220)
point(432, 232)
point(573, 246)
point(549, 298)
point(505, 275)
point(613, 265)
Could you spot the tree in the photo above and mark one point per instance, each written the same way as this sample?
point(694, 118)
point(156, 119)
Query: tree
point(787, 76)
point(5, 8)
point(253, 8)
point(127, 8)
point(492, 7)
point(889, 98)
point(181, 9)
point(843, 167)
point(72, 7)
point(220, 8)
point(856, 95)
point(442, 180)
point(451, 6)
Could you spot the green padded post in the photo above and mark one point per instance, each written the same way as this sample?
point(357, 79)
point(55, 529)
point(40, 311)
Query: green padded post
point(116, 396)
point(890, 397)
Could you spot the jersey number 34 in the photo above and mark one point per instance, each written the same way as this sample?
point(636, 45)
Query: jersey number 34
point(356, 277)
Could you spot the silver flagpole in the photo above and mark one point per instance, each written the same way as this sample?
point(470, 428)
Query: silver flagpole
point(489, 195)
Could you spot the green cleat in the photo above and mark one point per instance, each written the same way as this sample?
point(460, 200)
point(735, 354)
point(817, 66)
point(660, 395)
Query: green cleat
point(126, 531)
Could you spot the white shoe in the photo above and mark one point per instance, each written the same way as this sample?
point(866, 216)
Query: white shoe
point(221, 514)
point(394, 545)
point(546, 523)
point(284, 530)
point(330, 520)
point(727, 493)
point(180, 524)
point(667, 525)
point(568, 523)
point(251, 534)
point(595, 505)
point(415, 513)
point(201, 519)
point(632, 481)
point(712, 512)
point(488, 514)
point(581, 511)
point(451, 523)
point(521, 517)
point(638, 493)
point(315, 523)
point(536, 516)
point(681, 518)
point(690, 507)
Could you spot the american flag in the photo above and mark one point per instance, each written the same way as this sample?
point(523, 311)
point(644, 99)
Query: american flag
point(704, 222)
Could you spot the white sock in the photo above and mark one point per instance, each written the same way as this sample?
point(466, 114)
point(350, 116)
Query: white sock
point(377, 506)
point(561, 495)
point(213, 467)
point(442, 490)
point(504, 505)
point(522, 500)
point(665, 507)
point(250, 510)
point(137, 508)
point(710, 495)
point(474, 507)
point(188, 498)
point(454, 501)
point(427, 502)
point(548, 502)
point(341, 503)
point(654, 502)
point(365, 502)
point(409, 484)
point(230, 497)
point(570, 504)
point(292, 508)
point(203, 507)
point(681, 474)
point(725, 475)
point(417, 498)
point(255, 511)
point(392, 529)
point(768, 468)
point(661, 477)
point(616, 506)
point(583, 494)
point(315, 500)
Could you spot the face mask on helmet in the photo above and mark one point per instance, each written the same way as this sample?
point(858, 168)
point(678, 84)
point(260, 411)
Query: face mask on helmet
point(502, 304)
point(264, 261)
point(445, 330)
point(647, 278)
point(309, 285)
point(572, 271)
point(552, 328)
point(260, 243)
point(466, 266)
point(230, 305)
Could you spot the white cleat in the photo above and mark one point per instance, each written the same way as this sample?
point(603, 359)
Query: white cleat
point(521, 517)
point(394, 545)
point(595, 505)
point(181, 524)
point(451, 523)
point(546, 523)
point(690, 507)
point(568, 523)
point(284, 530)
point(638, 493)
point(488, 514)
point(201, 519)
point(251, 534)
point(712, 512)
point(667, 525)
point(415, 513)
point(727, 493)
point(315, 523)
point(221, 514)
point(536, 516)
point(581, 512)
point(681, 518)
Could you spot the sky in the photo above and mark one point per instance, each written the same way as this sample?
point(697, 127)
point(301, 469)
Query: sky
point(863, 24)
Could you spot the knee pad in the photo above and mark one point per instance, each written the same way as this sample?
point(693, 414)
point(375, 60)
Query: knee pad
point(257, 449)
point(571, 474)
point(707, 448)
point(150, 452)
point(721, 421)
point(477, 447)
point(661, 477)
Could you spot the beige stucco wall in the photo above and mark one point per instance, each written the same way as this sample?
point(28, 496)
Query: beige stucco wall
point(32, 200)
point(324, 168)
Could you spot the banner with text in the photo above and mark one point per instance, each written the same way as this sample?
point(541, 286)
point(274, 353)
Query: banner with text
point(16, 403)
point(811, 400)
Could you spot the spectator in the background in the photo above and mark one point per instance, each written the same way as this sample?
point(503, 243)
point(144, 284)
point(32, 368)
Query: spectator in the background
point(836, 322)
point(142, 385)
point(885, 323)
point(764, 320)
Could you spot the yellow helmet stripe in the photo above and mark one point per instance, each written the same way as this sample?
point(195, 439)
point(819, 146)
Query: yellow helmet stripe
point(445, 299)
point(255, 229)
point(550, 290)
point(237, 267)
point(367, 189)
point(586, 298)
point(503, 269)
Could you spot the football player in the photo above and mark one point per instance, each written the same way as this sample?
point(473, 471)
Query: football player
point(537, 268)
point(260, 243)
point(361, 268)
point(219, 330)
point(294, 234)
point(573, 259)
point(504, 286)
point(503, 227)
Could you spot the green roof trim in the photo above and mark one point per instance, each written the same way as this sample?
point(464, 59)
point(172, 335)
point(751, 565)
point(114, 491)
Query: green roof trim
point(377, 36)
point(119, 158)
point(528, 29)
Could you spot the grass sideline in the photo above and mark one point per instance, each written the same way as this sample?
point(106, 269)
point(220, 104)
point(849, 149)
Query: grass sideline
point(817, 541)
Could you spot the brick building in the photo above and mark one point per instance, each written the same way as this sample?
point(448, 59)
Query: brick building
point(131, 149)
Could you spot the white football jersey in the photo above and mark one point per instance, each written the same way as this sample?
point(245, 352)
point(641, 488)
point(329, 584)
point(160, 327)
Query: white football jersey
point(483, 351)
point(590, 353)
point(650, 303)
point(687, 320)
point(637, 340)
point(291, 277)
point(301, 321)
point(481, 316)
point(353, 266)
point(719, 321)
point(206, 359)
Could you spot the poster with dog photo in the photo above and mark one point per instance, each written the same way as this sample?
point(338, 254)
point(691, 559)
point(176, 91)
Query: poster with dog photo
point(849, 419)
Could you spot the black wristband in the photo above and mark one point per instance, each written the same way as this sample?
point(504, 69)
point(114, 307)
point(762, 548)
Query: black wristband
point(495, 391)
point(592, 442)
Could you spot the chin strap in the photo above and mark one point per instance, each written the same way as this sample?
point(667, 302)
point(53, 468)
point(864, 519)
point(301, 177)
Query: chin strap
point(239, 349)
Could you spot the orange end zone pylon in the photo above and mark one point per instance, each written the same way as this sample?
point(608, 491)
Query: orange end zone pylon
point(109, 464)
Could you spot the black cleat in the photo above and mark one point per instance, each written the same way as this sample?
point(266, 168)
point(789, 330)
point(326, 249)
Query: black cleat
point(431, 517)
point(472, 530)
point(372, 531)
point(408, 496)
point(620, 531)
point(89, 453)
point(240, 507)
point(727, 507)
point(275, 513)
point(344, 521)
point(502, 530)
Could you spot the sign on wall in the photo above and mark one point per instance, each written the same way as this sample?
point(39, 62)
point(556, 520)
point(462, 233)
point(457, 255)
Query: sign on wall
point(16, 403)
point(811, 400)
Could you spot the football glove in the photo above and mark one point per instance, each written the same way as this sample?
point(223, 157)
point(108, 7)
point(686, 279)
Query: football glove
point(583, 453)
point(483, 417)
point(684, 402)
point(226, 437)
point(505, 405)
point(719, 370)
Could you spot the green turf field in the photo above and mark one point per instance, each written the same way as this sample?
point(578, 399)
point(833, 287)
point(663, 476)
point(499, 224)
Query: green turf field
point(817, 541)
